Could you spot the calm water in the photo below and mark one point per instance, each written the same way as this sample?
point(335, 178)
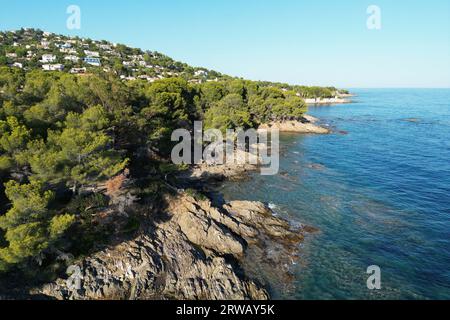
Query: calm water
point(378, 189)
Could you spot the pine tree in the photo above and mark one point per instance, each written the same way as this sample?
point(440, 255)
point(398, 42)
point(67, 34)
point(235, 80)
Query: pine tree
point(13, 140)
point(29, 226)
point(82, 153)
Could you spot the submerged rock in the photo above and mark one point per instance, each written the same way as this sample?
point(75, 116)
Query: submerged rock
point(315, 166)
point(415, 120)
point(193, 251)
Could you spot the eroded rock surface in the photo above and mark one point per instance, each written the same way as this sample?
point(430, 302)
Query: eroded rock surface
point(194, 251)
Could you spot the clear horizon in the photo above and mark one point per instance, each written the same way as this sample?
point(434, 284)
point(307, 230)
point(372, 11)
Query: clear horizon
point(267, 41)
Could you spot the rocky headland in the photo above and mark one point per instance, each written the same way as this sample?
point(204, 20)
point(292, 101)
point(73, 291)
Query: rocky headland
point(191, 250)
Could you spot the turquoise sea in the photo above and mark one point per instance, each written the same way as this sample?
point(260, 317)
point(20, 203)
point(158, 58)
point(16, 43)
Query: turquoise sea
point(378, 189)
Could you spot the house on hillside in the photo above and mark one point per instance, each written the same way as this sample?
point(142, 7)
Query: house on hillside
point(46, 58)
point(105, 47)
point(128, 78)
point(128, 63)
point(63, 45)
point(53, 67)
point(71, 58)
point(201, 73)
point(92, 61)
point(137, 57)
point(94, 54)
point(68, 50)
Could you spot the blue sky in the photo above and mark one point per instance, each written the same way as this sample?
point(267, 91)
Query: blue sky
point(314, 42)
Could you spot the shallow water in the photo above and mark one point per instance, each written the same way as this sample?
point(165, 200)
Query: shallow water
point(379, 191)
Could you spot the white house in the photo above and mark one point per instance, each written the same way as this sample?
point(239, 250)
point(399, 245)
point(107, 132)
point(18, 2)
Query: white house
point(72, 58)
point(137, 57)
point(128, 63)
point(91, 53)
point(200, 73)
point(68, 50)
point(17, 65)
point(53, 67)
point(105, 47)
point(48, 58)
point(11, 55)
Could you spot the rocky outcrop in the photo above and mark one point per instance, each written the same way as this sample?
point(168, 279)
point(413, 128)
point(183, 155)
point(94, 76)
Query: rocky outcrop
point(192, 250)
point(305, 125)
point(336, 100)
point(244, 163)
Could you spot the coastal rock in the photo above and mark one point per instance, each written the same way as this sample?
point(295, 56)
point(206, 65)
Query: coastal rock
point(193, 251)
point(310, 118)
point(304, 126)
point(218, 173)
point(244, 163)
point(336, 100)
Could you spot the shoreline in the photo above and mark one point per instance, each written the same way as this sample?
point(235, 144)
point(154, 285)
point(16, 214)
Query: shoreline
point(199, 250)
point(306, 125)
point(198, 236)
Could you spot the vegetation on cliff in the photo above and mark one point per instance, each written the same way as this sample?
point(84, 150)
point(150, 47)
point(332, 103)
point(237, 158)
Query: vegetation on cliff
point(64, 137)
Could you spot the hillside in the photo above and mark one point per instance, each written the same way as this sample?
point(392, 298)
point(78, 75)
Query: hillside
point(31, 49)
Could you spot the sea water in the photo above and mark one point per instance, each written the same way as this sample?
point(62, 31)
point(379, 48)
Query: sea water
point(378, 188)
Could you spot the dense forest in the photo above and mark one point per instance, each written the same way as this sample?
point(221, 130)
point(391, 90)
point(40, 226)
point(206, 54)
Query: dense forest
point(67, 141)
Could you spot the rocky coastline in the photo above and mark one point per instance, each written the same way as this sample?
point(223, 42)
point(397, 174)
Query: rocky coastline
point(306, 125)
point(193, 248)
